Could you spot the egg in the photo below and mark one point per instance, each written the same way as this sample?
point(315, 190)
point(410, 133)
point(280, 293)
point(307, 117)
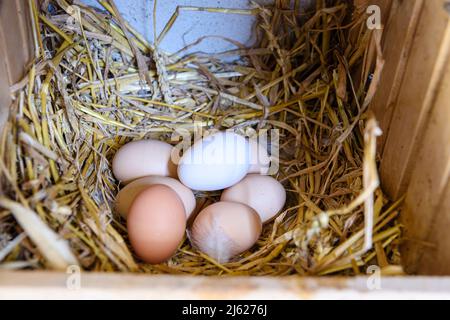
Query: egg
point(215, 162)
point(225, 229)
point(126, 196)
point(156, 223)
point(259, 157)
point(263, 193)
point(142, 158)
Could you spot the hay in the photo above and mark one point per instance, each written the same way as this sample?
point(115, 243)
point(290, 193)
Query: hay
point(97, 84)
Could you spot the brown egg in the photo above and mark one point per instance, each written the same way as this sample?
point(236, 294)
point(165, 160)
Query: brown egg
point(156, 223)
point(226, 229)
point(127, 195)
point(143, 158)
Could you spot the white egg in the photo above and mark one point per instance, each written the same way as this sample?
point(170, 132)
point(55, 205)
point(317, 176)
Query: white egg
point(216, 162)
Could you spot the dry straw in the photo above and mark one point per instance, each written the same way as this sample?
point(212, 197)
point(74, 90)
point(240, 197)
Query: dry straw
point(96, 84)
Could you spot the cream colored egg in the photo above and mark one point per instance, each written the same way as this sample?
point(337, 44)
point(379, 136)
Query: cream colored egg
point(226, 229)
point(142, 158)
point(259, 157)
point(263, 193)
point(127, 195)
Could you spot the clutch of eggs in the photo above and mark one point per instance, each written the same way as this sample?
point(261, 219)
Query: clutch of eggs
point(157, 205)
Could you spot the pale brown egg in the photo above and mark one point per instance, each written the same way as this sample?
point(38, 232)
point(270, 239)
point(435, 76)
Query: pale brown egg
point(156, 223)
point(263, 193)
point(126, 196)
point(226, 229)
point(142, 158)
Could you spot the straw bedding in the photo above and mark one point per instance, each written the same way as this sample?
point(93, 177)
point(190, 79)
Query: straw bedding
point(96, 84)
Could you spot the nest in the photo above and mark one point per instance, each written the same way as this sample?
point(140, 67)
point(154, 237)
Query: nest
point(97, 84)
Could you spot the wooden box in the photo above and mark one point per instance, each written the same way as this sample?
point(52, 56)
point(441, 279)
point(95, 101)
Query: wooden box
point(413, 108)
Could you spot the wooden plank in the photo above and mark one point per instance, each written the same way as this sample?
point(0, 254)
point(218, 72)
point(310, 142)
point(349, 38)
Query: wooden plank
point(400, 30)
point(51, 285)
point(5, 97)
point(16, 48)
point(436, 260)
point(427, 212)
point(423, 73)
point(16, 54)
point(23, 8)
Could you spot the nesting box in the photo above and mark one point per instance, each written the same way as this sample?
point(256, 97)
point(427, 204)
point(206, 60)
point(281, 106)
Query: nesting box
point(413, 109)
